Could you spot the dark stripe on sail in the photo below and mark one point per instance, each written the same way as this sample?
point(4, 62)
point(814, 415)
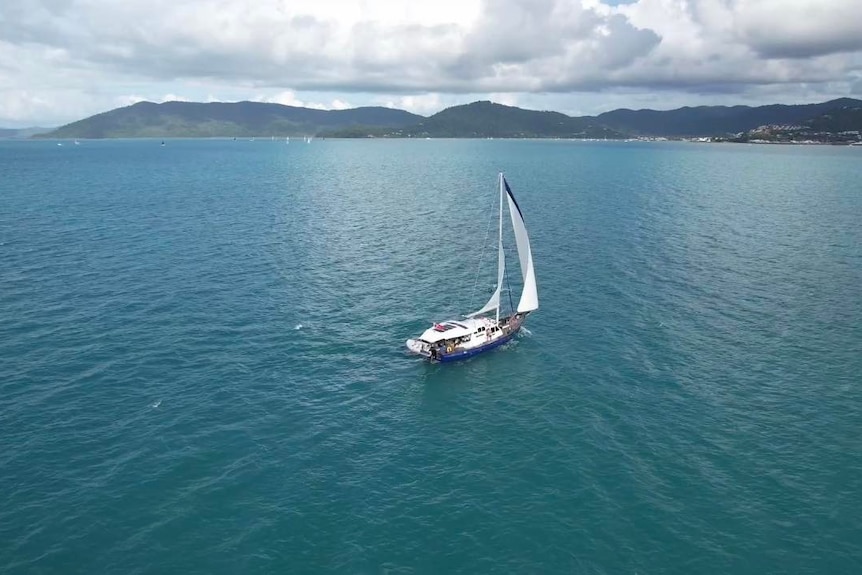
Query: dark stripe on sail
point(511, 195)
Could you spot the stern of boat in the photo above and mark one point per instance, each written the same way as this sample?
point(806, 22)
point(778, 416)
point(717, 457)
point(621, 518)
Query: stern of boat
point(415, 346)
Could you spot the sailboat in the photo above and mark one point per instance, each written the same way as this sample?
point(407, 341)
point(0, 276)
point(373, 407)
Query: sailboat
point(485, 329)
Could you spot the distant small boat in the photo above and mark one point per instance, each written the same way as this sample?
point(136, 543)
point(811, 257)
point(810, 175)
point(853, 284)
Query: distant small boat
point(481, 331)
point(163, 142)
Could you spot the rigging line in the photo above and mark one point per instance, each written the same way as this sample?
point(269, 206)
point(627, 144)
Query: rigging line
point(509, 289)
point(481, 257)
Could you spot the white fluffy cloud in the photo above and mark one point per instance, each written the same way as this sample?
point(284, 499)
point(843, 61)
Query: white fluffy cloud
point(64, 59)
point(799, 29)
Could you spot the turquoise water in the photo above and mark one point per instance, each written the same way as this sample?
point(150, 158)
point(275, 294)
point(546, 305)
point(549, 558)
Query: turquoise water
point(202, 366)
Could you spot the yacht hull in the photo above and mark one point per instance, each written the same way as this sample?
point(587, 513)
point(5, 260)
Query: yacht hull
point(418, 347)
point(459, 355)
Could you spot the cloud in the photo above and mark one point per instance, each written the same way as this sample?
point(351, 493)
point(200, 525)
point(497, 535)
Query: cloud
point(713, 46)
point(800, 29)
point(286, 98)
point(61, 59)
point(289, 98)
point(424, 104)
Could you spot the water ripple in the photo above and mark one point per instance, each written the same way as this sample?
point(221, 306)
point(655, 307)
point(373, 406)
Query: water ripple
point(683, 401)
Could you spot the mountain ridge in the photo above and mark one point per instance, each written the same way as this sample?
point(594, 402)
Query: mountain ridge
point(717, 120)
point(225, 119)
point(480, 119)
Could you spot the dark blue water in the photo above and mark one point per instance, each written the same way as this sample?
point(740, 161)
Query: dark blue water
point(202, 366)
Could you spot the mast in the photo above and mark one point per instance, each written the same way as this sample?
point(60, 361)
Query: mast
point(494, 301)
point(500, 257)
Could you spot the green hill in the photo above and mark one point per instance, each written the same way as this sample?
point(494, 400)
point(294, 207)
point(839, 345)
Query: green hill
point(848, 118)
point(716, 120)
point(489, 120)
point(222, 119)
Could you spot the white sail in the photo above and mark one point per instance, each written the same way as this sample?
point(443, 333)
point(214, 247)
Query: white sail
point(494, 302)
point(529, 296)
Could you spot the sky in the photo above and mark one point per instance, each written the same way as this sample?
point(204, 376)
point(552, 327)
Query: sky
point(63, 60)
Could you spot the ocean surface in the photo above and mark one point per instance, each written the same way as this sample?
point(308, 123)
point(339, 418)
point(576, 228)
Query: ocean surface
point(202, 362)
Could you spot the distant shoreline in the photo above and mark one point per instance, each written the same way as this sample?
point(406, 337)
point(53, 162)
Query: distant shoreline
point(835, 121)
point(280, 140)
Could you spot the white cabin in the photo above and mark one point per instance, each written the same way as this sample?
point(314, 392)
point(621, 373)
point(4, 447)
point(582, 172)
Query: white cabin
point(462, 329)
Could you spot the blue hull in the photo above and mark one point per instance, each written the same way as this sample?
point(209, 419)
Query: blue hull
point(477, 350)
